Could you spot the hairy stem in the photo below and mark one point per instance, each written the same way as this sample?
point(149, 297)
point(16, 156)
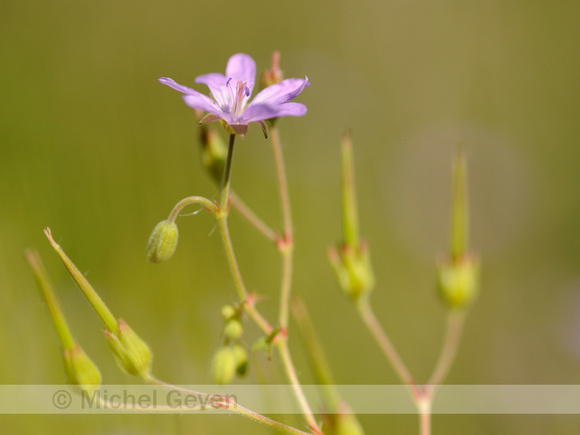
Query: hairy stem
point(286, 244)
point(455, 321)
point(293, 378)
point(222, 217)
point(386, 346)
point(247, 213)
point(227, 404)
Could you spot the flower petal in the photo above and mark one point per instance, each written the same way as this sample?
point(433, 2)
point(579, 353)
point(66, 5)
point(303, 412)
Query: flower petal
point(291, 109)
point(216, 83)
point(281, 92)
point(258, 112)
point(172, 84)
point(242, 68)
point(200, 101)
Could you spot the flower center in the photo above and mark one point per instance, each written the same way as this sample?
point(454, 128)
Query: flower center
point(238, 96)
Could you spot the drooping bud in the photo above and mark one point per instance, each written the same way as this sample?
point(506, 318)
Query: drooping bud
point(224, 366)
point(458, 281)
point(131, 352)
point(350, 259)
point(162, 242)
point(80, 370)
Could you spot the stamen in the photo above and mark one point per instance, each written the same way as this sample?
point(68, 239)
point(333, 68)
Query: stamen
point(241, 90)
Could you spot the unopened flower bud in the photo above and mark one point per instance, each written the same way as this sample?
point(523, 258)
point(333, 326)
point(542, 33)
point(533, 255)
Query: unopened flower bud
point(273, 75)
point(233, 329)
point(162, 242)
point(458, 281)
point(214, 152)
point(224, 366)
point(80, 370)
point(228, 312)
point(132, 353)
point(241, 355)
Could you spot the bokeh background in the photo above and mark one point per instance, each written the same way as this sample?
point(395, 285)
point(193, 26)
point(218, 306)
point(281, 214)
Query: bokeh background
point(94, 147)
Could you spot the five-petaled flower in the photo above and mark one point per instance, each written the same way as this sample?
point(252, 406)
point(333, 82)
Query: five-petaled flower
point(232, 92)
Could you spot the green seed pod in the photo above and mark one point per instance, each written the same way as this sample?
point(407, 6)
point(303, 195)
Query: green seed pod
point(353, 269)
point(458, 281)
point(132, 353)
point(241, 355)
point(162, 242)
point(233, 329)
point(80, 370)
point(224, 366)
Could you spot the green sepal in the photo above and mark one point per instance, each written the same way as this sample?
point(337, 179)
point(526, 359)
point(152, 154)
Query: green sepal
point(241, 355)
point(131, 352)
point(353, 269)
point(265, 343)
point(80, 370)
point(458, 281)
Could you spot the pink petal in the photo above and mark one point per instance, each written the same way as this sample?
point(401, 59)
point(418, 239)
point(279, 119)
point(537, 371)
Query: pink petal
point(216, 83)
point(258, 112)
point(291, 109)
point(281, 92)
point(242, 68)
point(200, 101)
point(172, 84)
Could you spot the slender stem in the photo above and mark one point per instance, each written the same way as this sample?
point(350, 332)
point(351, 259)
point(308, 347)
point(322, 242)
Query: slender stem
point(211, 206)
point(248, 214)
point(286, 249)
point(282, 181)
point(287, 262)
point(386, 346)
point(225, 188)
point(455, 321)
point(425, 416)
point(286, 246)
point(222, 217)
point(212, 400)
point(320, 363)
point(237, 276)
point(293, 378)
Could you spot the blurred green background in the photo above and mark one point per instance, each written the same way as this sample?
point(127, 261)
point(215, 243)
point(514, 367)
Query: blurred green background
point(94, 147)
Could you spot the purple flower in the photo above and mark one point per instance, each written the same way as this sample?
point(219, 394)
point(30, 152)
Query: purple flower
point(232, 91)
